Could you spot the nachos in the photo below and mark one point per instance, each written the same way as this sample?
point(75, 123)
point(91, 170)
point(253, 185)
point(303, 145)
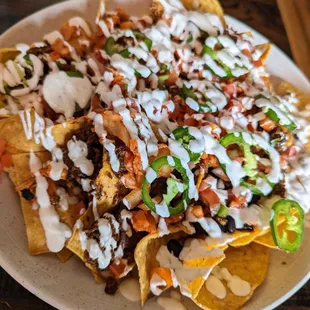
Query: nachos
point(156, 143)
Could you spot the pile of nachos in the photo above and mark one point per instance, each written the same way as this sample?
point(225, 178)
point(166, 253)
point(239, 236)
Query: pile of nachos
point(156, 145)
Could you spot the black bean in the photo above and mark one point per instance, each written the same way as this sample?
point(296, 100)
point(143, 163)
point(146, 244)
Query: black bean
point(254, 199)
point(231, 225)
point(222, 222)
point(199, 230)
point(27, 194)
point(174, 247)
point(111, 286)
point(247, 227)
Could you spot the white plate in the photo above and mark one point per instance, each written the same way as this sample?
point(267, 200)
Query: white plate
point(71, 285)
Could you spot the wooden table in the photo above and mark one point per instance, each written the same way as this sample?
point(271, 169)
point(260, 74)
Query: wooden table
point(262, 15)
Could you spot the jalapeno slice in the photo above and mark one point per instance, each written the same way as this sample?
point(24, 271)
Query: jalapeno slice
point(258, 183)
point(182, 135)
point(294, 216)
point(193, 102)
point(276, 111)
point(174, 187)
point(143, 37)
point(111, 47)
point(250, 159)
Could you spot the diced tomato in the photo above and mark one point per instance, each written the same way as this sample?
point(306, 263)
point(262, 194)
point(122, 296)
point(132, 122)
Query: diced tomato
point(122, 14)
point(197, 211)
point(143, 221)
point(292, 151)
point(117, 19)
point(54, 56)
point(117, 269)
point(173, 76)
point(174, 219)
point(68, 32)
point(191, 122)
point(6, 160)
point(165, 274)
point(246, 53)
point(230, 90)
point(283, 162)
point(267, 124)
point(126, 25)
point(236, 202)
point(257, 63)
point(209, 197)
point(60, 47)
point(211, 160)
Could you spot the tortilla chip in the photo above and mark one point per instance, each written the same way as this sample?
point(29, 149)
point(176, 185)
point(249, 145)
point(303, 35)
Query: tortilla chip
point(12, 132)
point(74, 244)
point(145, 254)
point(21, 176)
point(208, 6)
point(265, 48)
point(267, 239)
point(64, 255)
point(285, 88)
point(75, 40)
point(35, 231)
point(21, 172)
point(8, 54)
point(109, 188)
point(250, 263)
point(109, 192)
point(245, 240)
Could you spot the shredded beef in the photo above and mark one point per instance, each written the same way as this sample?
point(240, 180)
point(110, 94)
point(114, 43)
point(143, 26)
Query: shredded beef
point(279, 189)
point(95, 154)
point(40, 50)
point(120, 150)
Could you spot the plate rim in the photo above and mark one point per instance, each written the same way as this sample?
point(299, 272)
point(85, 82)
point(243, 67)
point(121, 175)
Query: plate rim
point(35, 289)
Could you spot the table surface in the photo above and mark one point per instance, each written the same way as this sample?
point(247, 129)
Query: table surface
point(262, 15)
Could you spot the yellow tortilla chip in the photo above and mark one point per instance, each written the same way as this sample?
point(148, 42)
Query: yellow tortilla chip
point(12, 132)
point(109, 192)
point(209, 261)
point(267, 239)
point(208, 6)
point(285, 88)
point(74, 244)
point(34, 229)
point(109, 189)
point(245, 240)
point(250, 263)
point(64, 255)
point(8, 54)
point(145, 254)
point(21, 175)
point(265, 49)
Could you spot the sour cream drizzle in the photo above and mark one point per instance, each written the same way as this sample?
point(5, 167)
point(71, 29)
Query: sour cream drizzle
point(63, 93)
point(238, 286)
point(56, 233)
